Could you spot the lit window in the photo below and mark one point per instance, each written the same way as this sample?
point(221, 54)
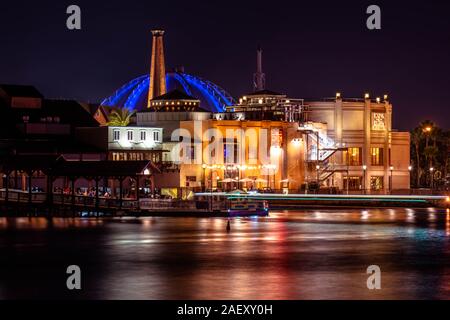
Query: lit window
point(143, 135)
point(376, 155)
point(116, 135)
point(353, 157)
point(130, 135)
point(354, 183)
point(376, 182)
point(156, 135)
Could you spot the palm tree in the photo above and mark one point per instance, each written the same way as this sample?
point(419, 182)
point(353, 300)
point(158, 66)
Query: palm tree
point(120, 117)
point(446, 146)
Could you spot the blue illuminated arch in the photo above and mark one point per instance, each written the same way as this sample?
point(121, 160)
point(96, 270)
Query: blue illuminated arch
point(133, 95)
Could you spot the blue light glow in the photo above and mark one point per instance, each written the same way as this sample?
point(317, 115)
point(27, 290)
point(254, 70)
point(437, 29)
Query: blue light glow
point(133, 95)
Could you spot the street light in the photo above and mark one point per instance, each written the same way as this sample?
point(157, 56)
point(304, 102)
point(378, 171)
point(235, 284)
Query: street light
point(364, 171)
point(204, 166)
point(431, 177)
point(317, 169)
point(391, 168)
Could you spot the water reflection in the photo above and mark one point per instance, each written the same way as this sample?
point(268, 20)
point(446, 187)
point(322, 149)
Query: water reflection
point(308, 254)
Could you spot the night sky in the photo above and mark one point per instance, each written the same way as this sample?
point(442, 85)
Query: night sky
point(311, 48)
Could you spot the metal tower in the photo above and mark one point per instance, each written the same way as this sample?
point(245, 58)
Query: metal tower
point(259, 78)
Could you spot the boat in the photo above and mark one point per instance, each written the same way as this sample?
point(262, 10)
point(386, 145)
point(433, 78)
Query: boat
point(233, 204)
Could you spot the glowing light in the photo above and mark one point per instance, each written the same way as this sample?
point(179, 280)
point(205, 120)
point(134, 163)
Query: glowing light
point(338, 95)
point(378, 99)
point(146, 172)
point(364, 167)
point(296, 141)
point(409, 168)
point(366, 96)
point(133, 94)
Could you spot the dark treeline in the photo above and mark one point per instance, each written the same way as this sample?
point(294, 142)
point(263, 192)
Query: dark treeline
point(430, 147)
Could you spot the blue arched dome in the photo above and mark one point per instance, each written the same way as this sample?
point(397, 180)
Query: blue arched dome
point(133, 95)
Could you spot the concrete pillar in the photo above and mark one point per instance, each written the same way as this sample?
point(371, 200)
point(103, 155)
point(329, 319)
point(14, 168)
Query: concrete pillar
point(338, 136)
point(387, 146)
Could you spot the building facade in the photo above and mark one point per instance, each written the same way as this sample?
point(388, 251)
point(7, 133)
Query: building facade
point(369, 154)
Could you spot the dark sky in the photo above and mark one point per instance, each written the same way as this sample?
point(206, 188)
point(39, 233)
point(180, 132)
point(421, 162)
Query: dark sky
point(311, 48)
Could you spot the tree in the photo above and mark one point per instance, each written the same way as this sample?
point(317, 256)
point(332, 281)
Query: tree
point(430, 147)
point(416, 137)
point(120, 117)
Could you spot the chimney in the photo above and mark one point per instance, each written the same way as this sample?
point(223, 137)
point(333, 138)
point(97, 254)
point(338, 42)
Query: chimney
point(157, 67)
point(259, 78)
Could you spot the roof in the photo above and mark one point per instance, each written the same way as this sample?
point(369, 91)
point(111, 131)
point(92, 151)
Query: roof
point(175, 95)
point(70, 112)
point(14, 90)
point(105, 168)
point(58, 166)
point(53, 145)
point(25, 163)
point(265, 92)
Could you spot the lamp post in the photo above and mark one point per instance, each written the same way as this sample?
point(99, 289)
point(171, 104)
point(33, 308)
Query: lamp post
point(204, 166)
point(431, 178)
point(427, 130)
point(317, 174)
point(410, 169)
point(364, 182)
point(391, 168)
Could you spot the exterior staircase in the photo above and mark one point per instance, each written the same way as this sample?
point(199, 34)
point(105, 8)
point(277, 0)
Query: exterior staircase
point(320, 149)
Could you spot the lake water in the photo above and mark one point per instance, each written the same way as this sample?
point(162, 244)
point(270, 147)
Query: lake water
point(305, 254)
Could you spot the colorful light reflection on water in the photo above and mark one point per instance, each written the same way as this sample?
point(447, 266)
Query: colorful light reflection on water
point(307, 254)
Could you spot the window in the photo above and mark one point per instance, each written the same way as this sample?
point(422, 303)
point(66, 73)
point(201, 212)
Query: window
point(376, 155)
point(156, 135)
point(376, 182)
point(130, 135)
point(116, 135)
point(230, 151)
point(354, 183)
point(378, 122)
point(143, 135)
point(353, 156)
point(192, 153)
point(119, 156)
point(191, 181)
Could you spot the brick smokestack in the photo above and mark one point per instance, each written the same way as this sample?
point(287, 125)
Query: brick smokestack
point(157, 67)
